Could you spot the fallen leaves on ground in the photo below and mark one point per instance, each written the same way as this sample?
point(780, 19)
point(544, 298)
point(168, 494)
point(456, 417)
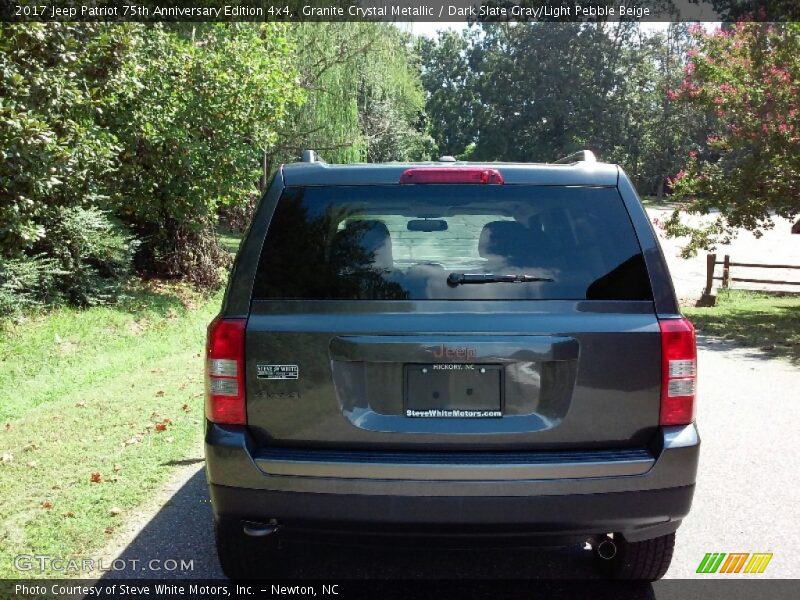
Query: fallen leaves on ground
point(114, 511)
point(47, 505)
point(96, 478)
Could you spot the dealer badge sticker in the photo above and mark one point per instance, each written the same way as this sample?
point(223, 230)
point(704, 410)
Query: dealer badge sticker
point(277, 371)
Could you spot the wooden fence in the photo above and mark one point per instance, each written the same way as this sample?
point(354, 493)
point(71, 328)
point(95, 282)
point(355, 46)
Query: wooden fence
point(726, 278)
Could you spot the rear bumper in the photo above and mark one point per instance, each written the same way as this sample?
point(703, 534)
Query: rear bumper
point(640, 505)
point(637, 515)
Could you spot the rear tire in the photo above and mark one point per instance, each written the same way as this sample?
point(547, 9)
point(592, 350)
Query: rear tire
point(244, 557)
point(647, 560)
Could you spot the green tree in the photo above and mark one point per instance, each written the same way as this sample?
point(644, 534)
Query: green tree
point(747, 77)
point(656, 132)
point(537, 91)
point(764, 10)
point(548, 89)
point(55, 79)
point(451, 85)
point(364, 100)
point(197, 111)
point(528, 91)
point(391, 99)
point(58, 242)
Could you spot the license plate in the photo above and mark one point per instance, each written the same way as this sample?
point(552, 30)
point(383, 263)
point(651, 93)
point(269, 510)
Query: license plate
point(453, 390)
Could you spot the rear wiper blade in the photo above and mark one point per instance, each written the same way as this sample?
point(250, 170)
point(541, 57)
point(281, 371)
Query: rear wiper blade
point(455, 279)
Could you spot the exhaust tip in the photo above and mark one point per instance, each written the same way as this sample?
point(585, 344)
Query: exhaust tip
point(606, 549)
point(254, 529)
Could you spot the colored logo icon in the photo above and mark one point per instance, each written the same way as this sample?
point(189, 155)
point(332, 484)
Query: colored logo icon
point(737, 562)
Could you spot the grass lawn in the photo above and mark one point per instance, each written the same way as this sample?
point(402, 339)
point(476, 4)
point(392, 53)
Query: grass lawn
point(229, 240)
point(770, 323)
point(654, 202)
point(96, 405)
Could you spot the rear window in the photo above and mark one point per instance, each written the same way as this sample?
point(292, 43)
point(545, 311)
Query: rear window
point(450, 242)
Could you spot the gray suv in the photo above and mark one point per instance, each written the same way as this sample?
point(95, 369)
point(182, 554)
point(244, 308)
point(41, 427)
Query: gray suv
point(451, 350)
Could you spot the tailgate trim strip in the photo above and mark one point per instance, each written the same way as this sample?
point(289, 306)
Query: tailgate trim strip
point(453, 466)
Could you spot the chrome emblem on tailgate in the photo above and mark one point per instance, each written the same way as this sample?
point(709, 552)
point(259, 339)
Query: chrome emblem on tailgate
point(465, 352)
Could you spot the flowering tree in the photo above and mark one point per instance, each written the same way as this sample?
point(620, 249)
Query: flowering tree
point(747, 78)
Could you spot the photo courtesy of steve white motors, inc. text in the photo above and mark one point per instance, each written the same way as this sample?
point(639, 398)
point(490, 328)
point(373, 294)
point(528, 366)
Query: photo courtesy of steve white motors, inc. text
point(190, 590)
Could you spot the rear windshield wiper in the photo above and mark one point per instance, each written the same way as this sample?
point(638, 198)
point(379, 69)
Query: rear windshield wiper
point(455, 279)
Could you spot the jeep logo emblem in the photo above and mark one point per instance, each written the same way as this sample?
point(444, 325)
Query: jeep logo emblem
point(460, 352)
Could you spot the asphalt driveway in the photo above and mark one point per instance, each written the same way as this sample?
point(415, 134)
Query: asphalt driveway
point(745, 502)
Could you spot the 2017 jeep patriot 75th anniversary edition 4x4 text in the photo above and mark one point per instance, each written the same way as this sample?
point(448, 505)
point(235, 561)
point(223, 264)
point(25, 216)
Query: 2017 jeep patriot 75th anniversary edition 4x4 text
point(451, 349)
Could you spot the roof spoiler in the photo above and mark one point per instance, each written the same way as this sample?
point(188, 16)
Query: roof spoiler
point(576, 157)
point(309, 156)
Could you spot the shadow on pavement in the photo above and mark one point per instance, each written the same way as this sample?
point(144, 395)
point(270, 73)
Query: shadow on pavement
point(744, 351)
point(182, 531)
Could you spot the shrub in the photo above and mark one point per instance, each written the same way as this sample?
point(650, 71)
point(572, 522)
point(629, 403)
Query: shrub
point(189, 252)
point(83, 259)
point(24, 282)
point(237, 217)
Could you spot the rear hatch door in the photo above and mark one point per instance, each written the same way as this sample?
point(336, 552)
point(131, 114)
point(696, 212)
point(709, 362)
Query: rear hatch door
point(452, 316)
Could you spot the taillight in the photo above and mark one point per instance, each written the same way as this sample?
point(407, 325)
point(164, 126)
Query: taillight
point(678, 371)
point(452, 175)
point(225, 401)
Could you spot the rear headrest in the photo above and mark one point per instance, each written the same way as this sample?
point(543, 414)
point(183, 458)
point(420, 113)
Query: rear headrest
point(556, 225)
point(374, 238)
point(503, 238)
